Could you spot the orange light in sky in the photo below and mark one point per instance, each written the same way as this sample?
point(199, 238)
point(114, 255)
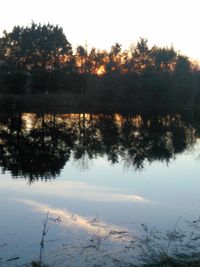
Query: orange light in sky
point(101, 71)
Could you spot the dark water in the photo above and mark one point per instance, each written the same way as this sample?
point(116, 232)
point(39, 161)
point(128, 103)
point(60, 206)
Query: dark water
point(106, 180)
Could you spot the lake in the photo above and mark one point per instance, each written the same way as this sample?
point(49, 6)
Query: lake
point(81, 189)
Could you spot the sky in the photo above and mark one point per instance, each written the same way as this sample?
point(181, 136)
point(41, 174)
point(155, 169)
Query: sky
point(101, 23)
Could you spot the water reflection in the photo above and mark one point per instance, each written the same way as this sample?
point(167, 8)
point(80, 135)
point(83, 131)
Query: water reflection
point(69, 219)
point(38, 146)
point(86, 192)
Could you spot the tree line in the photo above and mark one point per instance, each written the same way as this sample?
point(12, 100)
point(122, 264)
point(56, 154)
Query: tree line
point(39, 59)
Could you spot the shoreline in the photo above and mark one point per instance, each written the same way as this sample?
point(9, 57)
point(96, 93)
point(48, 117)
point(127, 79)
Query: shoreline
point(71, 103)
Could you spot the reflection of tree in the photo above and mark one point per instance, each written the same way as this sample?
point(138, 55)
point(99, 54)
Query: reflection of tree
point(88, 145)
point(110, 137)
point(41, 153)
point(39, 146)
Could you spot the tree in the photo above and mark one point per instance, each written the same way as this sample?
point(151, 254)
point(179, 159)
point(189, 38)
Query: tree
point(163, 58)
point(183, 80)
point(140, 56)
point(36, 50)
point(81, 58)
point(114, 59)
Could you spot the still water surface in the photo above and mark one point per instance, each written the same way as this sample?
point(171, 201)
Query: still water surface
point(104, 181)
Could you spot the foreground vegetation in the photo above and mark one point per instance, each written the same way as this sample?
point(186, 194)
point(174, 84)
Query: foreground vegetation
point(39, 59)
point(176, 247)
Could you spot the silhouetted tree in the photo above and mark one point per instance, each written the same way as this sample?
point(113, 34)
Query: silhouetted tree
point(183, 80)
point(39, 59)
point(37, 50)
point(140, 56)
point(163, 58)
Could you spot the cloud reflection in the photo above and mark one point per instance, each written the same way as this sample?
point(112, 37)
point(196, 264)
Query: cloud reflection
point(75, 221)
point(84, 191)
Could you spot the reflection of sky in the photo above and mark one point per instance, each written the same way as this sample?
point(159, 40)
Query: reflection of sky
point(83, 191)
point(104, 188)
point(121, 198)
point(71, 220)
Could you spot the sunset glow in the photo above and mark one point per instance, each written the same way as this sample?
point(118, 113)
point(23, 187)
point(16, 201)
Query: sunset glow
point(101, 71)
